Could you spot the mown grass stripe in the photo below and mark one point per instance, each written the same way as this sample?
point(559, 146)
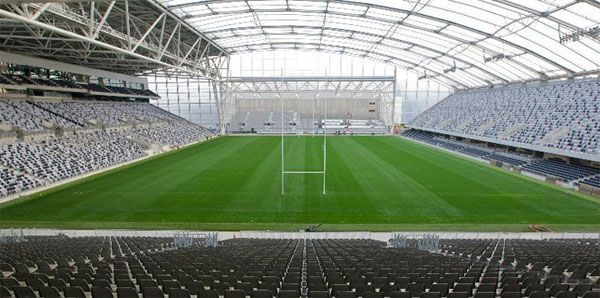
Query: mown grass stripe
point(376, 183)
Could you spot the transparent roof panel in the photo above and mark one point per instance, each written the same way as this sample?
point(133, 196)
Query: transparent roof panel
point(462, 43)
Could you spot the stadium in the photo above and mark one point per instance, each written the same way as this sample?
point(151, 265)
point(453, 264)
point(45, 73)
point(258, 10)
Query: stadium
point(300, 148)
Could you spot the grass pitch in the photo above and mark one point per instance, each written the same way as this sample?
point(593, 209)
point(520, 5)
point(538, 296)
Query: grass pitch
point(373, 183)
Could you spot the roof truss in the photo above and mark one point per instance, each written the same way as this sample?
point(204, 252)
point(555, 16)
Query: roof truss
point(133, 37)
point(460, 43)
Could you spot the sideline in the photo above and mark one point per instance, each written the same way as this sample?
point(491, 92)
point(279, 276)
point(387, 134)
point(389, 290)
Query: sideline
point(524, 173)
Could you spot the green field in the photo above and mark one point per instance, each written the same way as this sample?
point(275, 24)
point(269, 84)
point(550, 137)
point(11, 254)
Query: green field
point(373, 183)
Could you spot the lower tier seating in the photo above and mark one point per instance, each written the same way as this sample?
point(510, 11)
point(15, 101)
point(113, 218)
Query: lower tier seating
point(73, 155)
point(95, 135)
point(551, 167)
point(239, 268)
point(473, 150)
point(12, 182)
point(593, 181)
point(293, 122)
point(31, 116)
point(559, 168)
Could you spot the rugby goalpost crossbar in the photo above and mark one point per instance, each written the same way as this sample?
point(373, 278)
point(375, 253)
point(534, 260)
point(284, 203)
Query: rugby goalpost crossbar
point(283, 171)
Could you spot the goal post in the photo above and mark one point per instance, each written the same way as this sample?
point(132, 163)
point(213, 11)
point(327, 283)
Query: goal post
point(284, 171)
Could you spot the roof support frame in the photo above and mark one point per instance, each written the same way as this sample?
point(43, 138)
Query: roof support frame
point(458, 84)
point(35, 23)
point(407, 12)
point(547, 15)
point(103, 20)
point(104, 29)
point(147, 32)
point(568, 71)
point(476, 44)
point(374, 35)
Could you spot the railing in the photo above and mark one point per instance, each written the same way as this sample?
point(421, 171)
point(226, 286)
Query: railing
point(381, 236)
point(304, 235)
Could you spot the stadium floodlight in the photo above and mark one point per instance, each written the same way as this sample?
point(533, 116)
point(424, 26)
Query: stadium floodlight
point(426, 77)
point(592, 32)
point(496, 57)
point(451, 69)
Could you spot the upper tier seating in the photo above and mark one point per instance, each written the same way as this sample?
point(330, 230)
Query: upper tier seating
point(30, 117)
point(173, 133)
point(109, 113)
point(38, 116)
point(564, 115)
point(10, 115)
point(149, 267)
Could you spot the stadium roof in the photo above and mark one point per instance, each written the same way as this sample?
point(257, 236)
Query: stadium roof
point(125, 36)
point(461, 43)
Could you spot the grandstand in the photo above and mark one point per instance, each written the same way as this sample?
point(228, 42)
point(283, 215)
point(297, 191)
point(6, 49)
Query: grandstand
point(300, 149)
point(83, 146)
point(561, 117)
point(49, 138)
point(148, 266)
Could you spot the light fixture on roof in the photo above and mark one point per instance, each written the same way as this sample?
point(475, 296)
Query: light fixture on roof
point(451, 69)
point(424, 76)
point(591, 32)
point(496, 57)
